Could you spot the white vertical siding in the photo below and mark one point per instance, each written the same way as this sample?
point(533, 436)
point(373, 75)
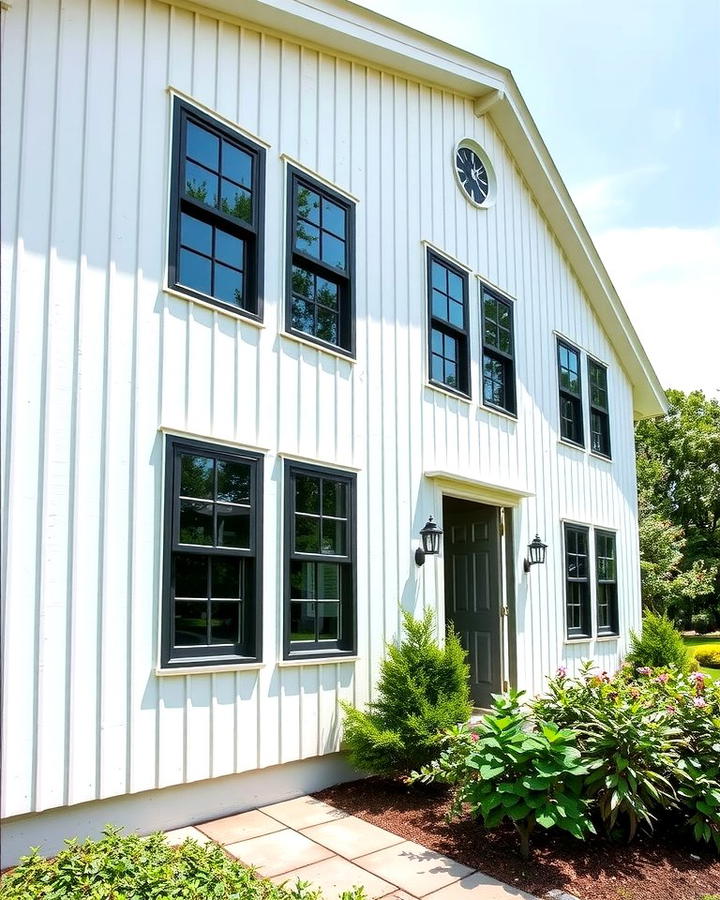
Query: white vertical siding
point(97, 357)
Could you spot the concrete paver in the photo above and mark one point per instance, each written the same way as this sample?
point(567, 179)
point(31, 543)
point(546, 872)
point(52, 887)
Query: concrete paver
point(351, 837)
point(302, 812)
point(178, 835)
point(479, 886)
point(335, 875)
point(279, 852)
point(240, 827)
point(414, 868)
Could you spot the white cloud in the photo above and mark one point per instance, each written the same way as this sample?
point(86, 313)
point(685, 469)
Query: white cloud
point(603, 199)
point(669, 282)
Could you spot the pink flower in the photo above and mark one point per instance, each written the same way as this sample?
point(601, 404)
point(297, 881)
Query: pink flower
point(662, 678)
point(671, 709)
point(561, 672)
point(697, 676)
point(474, 736)
point(644, 670)
point(699, 702)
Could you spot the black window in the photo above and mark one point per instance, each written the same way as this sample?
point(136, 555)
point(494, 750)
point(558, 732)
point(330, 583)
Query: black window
point(211, 611)
point(606, 577)
point(216, 212)
point(321, 263)
point(599, 415)
point(577, 577)
point(498, 352)
point(571, 418)
point(448, 316)
point(319, 562)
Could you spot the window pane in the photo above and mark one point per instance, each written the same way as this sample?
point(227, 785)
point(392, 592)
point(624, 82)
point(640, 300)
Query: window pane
point(328, 581)
point(302, 580)
point(191, 575)
point(235, 201)
point(228, 285)
point(438, 368)
point(190, 623)
point(308, 239)
point(225, 622)
point(237, 164)
point(333, 536)
point(308, 205)
point(226, 575)
point(303, 315)
point(333, 251)
point(327, 325)
point(307, 494)
point(450, 345)
point(450, 374)
point(456, 314)
point(196, 234)
point(437, 341)
point(194, 271)
point(491, 337)
point(303, 282)
point(439, 277)
point(333, 499)
point(233, 527)
point(505, 344)
point(302, 621)
point(307, 534)
point(455, 286)
point(197, 476)
point(196, 522)
point(202, 146)
point(503, 315)
point(200, 184)
point(328, 615)
point(491, 305)
point(439, 305)
point(229, 249)
point(333, 218)
point(327, 293)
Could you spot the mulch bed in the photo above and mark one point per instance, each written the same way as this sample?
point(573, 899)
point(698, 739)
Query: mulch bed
point(661, 866)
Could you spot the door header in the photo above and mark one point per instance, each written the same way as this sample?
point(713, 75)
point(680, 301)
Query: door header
point(467, 488)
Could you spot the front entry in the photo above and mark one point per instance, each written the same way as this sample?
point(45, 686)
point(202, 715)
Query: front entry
point(472, 589)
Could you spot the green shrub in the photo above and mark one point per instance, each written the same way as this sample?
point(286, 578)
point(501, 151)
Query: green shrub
point(710, 658)
point(422, 691)
point(502, 769)
point(660, 644)
point(702, 623)
point(129, 867)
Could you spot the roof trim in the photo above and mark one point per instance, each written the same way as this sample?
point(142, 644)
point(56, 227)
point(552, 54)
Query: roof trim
point(367, 36)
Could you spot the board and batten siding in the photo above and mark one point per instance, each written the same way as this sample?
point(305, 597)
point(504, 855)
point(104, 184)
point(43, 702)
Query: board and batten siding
point(98, 358)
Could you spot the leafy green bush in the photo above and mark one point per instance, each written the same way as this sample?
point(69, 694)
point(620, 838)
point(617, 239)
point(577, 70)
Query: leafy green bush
point(702, 623)
point(422, 691)
point(129, 867)
point(503, 770)
point(710, 658)
point(660, 644)
point(644, 734)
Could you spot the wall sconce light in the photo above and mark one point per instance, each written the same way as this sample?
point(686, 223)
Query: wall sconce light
point(430, 534)
point(536, 552)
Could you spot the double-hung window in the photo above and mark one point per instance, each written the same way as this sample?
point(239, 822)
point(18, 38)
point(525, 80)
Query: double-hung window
point(606, 582)
point(319, 561)
point(211, 608)
point(570, 384)
point(498, 364)
point(216, 213)
point(599, 413)
point(321, 261)
point(577, 581)
point(449, 356)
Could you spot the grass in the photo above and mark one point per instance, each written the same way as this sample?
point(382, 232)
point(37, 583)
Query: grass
point(704, 642)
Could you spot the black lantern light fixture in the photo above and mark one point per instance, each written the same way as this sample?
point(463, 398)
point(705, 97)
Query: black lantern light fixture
point(536, 553)
point(430, 535)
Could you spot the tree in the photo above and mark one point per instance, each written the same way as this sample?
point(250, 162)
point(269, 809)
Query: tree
point(678, 467)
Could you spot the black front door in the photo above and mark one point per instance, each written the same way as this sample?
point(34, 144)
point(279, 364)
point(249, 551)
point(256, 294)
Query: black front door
point(472, 589)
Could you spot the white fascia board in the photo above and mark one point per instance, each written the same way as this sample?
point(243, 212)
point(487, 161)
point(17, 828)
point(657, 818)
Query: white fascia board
point(367, 36)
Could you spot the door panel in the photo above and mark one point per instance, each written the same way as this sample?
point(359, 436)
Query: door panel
point(472, 589)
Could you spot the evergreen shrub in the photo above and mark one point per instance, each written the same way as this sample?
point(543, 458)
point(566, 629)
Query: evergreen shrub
point(702, 623)
point(422, 691)
point(659, 645)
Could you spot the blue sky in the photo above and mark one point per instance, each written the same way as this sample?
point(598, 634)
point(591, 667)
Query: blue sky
point(627, 98)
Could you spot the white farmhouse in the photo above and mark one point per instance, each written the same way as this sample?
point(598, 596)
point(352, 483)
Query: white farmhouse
point(282, 279)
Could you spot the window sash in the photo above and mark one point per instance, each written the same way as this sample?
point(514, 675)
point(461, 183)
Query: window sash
point(458, 333)
point(604, 541)
point(599, 412)
point(247, 613)
point(572, 426)
point(577, 587)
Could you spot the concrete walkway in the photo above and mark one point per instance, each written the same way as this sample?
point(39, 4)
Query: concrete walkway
point(310, 840)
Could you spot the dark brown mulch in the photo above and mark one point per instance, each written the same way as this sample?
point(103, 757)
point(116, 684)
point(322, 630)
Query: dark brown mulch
point(661, 866)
